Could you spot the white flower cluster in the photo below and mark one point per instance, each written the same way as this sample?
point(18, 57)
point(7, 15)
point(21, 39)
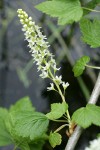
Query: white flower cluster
point(39, 49)
point(94, 145)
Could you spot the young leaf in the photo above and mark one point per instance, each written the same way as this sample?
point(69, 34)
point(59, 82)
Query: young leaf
point(5, 138)
point(91, 32)
point(55, 139)
point(31, 124)
point(79, 66)
point(87, 115)
point(67, 11)
point(22, 104)
point(57, 110)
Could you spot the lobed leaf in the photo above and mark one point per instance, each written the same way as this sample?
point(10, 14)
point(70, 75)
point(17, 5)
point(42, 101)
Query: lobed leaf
point(67, 11)
point(79, 66)
point(55, 139)
point(31, 124)
point(91, 32)
point(22, 104)
point(5, 138)
point(57, 110)
point(87, 115)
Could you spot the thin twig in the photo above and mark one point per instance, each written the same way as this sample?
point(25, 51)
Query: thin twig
point(93, 99)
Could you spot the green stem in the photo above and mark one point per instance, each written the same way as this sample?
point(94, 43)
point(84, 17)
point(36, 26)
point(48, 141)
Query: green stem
point(69, 119)
point(91, 9)
point(61, 127)
point(60, 92)
point(94, 67)
point(56, 34)
point(63, 98)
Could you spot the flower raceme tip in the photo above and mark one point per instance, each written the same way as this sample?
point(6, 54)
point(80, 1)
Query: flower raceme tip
point(43, 58)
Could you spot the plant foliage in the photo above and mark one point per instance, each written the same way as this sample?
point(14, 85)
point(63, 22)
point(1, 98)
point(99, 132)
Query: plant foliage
point(67, 11)
point(57, 110)
point(86, 116)
point(5, 138)
point(22, 121)
point(91, 32)
point(79, 66)
point(31, 124)
point(55, 139)
point(21, 125)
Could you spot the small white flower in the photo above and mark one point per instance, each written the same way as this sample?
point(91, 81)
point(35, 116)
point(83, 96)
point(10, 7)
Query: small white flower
point(94, 145)
point(65, 85)
point(39, 67)
point(47, 66)
point(58, 79)
point(44, 75)
point(51, 87)
point(55, 68)
point(42, 57)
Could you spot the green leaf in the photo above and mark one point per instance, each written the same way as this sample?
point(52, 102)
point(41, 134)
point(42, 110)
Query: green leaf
point(23, 145)
point(67, 11)
point(5, 138)
point(55, 139)
point(94, 113)
point(22, 104)
point(18, 141)
point(91, 32)
point(3, 113)
point(87, 115)
point(82, 117)
point(37, 145)
point(31, 124)
point(57, 110)
point(79, 66)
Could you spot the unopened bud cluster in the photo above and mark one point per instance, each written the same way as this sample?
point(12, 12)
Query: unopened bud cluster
point(39, 49)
